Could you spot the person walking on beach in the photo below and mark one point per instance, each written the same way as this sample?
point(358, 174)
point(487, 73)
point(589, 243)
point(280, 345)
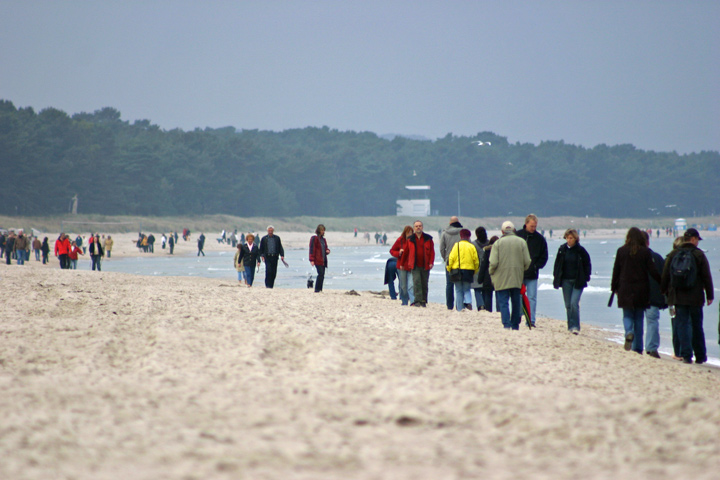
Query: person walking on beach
point(21, 247)
point(571, 272)
point(448, 238)
point(463, 257)
point(45, 248)
point(62, 247)
point(480, 242)
point(509, 258)
point(630, 281)
point(251, 256)
point(171, 243)
point(687, 282)
point(483, 278)
point(36, 246)
point(270, 249)
point(96, 253)
point(537, 246)
point(73, 255)
point(108, 246)
point(657, 303)
point(318, 255)
point(9, 247)
point(239, 265)
point(201, 244)
point(422, 259)
point(401, 251)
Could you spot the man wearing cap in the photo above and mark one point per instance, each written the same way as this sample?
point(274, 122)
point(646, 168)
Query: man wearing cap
point(689, 301)
point(270, 249)
point(509, 258)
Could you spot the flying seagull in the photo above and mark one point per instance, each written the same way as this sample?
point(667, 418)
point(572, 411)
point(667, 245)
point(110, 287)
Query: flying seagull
point(480, 142)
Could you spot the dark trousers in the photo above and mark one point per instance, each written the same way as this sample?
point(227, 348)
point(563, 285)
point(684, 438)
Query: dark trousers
point(64, 261)
point(320, 277)
point(488, 299)
point(691, 335)
point(95, 262)
point(449, 291)
point(420, 278)
point(271, 262)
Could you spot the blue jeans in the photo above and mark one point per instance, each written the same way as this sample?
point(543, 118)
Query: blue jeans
point(20, 254)
point(73, 264)
point(502, 297)
point(249, 275)
point(405, 286)
point(462, 295)
point(479, 300)
point(652, 320)
point(392, 272)
point(241, 274)
point(633, 323)
point(572, 295)
point(37, 255)
point(449, 291)
point(532, 285)
point(691, 335)
point(321, 278)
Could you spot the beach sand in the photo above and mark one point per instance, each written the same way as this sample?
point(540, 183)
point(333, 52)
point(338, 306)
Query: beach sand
point(114, 376)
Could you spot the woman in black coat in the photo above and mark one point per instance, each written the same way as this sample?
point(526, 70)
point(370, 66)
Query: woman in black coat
point(572, 273)
point(631, 283)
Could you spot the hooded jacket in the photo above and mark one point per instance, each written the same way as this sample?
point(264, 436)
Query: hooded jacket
point(448, 239)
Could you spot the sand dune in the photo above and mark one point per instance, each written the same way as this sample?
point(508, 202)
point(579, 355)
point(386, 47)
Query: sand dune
point(109, 376)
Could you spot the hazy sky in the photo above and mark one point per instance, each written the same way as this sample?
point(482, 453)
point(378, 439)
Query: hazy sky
point(586, 72)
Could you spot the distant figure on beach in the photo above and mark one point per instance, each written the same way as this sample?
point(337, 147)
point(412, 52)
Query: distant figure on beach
point(463, 257)
point(251, 257)
point(509, 258)
point(657, 303)
point(21, 247)
point(483, 278)
point(571, 273)
point(62, 248)
point(537, 246)
point(239, 265)
point(9, 247)
point(45, 248)
point(318, 255)
point(480, 242)
point(448, 238)
point(631, 283)
point(355, 231)
point(73, 255)
point(171, 243)
point(422, 259)
point(270, 249)
point(151, 243)
point(201, 244)
point(36, 246)
point(163, 241)
point(108, 245)
point(96, 253)
point(687, 282)
point(401, 251)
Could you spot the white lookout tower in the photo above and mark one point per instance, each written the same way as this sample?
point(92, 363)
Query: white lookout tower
point(418, 203)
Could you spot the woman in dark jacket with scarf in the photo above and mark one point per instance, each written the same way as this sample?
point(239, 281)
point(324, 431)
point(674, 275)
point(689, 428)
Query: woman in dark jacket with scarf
point(630, 281)
point(250, 258)
point(572, 274)
point(318, 255)
point(483, 276)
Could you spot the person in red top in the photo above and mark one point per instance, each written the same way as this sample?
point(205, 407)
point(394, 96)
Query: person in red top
point(62, 249)
point(318, 255)
point(73, 255)
point(422, 258)
point(401, 251)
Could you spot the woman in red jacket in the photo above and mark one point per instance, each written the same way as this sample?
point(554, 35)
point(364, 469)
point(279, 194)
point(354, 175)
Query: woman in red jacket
point(401, 251)
point(318, 255)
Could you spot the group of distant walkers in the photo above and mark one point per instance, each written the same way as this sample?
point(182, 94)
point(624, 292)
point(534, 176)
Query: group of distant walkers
point(250, 255)
point(17, 247)
point(643, 281)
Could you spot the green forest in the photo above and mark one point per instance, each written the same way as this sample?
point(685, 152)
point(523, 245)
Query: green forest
point(120, 168)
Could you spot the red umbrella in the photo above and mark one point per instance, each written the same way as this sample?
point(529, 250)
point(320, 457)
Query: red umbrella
point(526, 306)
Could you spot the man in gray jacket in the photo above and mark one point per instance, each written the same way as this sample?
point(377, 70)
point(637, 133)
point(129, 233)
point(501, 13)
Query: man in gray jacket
point(448, 239)
point(509, 258)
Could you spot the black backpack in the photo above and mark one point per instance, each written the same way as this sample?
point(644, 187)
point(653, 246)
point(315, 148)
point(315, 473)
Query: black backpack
point(683, 270)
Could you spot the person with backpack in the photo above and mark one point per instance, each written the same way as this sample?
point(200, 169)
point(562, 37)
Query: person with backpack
point(687, 282)
point(631, 282)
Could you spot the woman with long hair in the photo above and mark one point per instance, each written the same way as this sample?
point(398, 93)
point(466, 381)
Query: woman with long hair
point(401, 251)
point(630, 281)
point(318, 255)
point(572, 273)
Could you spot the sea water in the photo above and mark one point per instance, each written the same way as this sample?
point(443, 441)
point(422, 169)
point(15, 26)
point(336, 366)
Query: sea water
point(362, 268)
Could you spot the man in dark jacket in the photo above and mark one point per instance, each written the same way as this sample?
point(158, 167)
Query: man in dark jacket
point(657, 303)
point(449, 237)
point(270, 249)
point(689, 302)
point(537, 246)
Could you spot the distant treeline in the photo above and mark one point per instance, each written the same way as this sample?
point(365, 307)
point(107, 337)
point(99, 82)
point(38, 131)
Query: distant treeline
point(119, 168)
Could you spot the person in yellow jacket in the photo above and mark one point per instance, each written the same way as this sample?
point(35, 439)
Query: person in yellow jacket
point(463, 257)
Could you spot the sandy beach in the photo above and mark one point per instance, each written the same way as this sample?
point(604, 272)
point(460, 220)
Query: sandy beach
point(109, 376)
